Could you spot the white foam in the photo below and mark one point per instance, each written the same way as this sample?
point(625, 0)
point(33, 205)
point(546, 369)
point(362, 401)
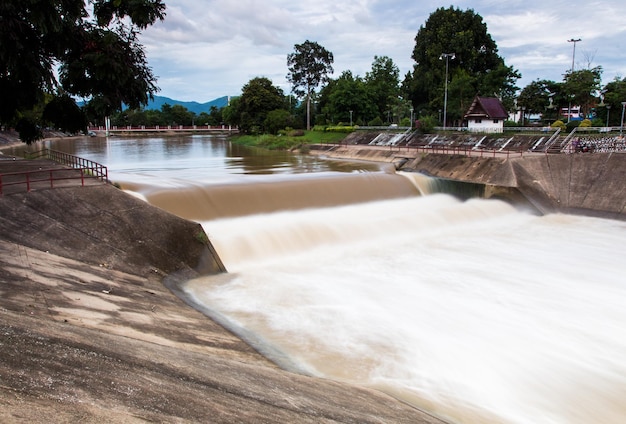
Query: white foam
point(456, 306)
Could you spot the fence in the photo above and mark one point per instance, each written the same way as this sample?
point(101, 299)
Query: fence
point(453, 150)
point(79, 169)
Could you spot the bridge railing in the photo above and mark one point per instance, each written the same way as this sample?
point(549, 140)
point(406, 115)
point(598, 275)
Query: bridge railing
point(149, 128)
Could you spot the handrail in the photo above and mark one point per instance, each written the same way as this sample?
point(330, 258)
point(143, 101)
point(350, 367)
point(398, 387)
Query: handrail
point(553, 138)
point(564, 145)
point(87, 169)
point(95, 169)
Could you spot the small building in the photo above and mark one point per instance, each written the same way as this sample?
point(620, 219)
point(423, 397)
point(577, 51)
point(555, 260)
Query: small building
point(486, 114)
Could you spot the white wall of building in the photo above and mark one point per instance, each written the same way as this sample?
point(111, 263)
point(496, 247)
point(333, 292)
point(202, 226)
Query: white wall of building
point(486, 125)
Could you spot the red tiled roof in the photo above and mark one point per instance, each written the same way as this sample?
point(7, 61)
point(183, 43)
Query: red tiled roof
point(487, 107)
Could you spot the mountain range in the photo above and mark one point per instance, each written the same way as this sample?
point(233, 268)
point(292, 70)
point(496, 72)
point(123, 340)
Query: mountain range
point(194, 107)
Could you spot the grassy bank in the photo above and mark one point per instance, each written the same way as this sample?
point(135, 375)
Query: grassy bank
point(289, 140)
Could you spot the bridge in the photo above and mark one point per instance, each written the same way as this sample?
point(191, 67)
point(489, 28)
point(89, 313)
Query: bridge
point(144, 129)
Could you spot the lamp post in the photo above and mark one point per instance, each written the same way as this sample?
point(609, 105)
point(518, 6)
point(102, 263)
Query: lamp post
point(447, 57)
point(608, 110)
point(621, 127)
point(350, 118)
point(572, 40)
point(411, 123)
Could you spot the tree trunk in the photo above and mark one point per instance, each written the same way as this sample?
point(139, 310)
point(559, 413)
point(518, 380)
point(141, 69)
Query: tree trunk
point(308, 111)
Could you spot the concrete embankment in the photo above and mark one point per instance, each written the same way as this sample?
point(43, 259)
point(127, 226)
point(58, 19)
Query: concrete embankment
point(589, 184)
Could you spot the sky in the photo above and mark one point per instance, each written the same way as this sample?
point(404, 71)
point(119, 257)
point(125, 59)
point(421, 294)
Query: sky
point(206, 49)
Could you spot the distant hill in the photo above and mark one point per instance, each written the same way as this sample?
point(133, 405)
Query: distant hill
point(195, 107)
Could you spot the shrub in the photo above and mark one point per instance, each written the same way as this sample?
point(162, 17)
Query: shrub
point(376, 122)
point(426, 124)
point(558, 124)
point(585, 123)
point(571, 125)
point(345, 129)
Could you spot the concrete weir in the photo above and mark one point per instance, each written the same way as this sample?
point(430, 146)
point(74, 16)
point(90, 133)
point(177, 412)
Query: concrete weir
point(588, 184)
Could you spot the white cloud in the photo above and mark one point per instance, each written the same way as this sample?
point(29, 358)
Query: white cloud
point(208, 49)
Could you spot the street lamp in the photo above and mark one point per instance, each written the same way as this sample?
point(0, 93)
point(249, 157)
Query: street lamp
point(446, 56)
point(608, 110)
point(621, 127)
point(350, 118)
point(411, 123)
point(572, 40)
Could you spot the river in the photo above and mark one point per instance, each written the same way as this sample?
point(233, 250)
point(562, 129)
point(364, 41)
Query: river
point(474, 310)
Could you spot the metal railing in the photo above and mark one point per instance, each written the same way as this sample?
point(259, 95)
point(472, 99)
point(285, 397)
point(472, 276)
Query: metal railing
point(164, 128)
point(93, 169)
point(460, 150)
point(78, 169)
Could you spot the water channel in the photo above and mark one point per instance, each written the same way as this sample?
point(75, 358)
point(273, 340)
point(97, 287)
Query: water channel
point(474, 310)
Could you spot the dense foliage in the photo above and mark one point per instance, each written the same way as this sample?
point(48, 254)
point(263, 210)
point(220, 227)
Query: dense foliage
point(95, 52)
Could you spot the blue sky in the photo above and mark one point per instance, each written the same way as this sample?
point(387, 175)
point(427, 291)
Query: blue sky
point(209, 49)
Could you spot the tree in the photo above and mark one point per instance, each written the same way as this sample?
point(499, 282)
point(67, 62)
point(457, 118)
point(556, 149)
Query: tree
point(583, 87)
point(541, 96)
point(476, 62)
point(383, 83)
point(96, 54)
point(230, 113)
point(308, 66)
point(63, 112)
point(278, 120)
point(258, 98)
point(344, 95)
point(214, 117)
point(614, 94)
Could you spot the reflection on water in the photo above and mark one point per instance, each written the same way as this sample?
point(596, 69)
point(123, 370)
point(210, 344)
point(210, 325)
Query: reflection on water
point(200, 158)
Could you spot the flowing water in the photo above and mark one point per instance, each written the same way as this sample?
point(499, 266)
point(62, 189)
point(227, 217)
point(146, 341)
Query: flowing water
point(473, 310)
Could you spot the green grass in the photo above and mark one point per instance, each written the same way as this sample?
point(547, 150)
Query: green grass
point(286, 142)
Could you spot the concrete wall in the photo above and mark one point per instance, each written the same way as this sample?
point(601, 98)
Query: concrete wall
point(583, 183)
point(590, 184)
